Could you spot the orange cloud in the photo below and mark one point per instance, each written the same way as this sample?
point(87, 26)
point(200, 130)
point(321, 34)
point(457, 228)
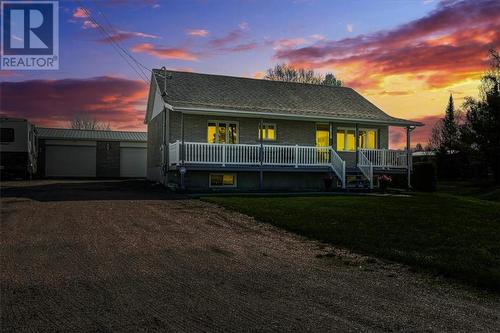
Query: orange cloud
point(164, 52)
point(445, 47)
point(79, 12)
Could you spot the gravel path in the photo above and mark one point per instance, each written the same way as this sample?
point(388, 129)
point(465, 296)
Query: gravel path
point(137, 260)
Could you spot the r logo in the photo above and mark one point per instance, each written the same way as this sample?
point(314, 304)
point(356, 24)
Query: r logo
point(30, 28)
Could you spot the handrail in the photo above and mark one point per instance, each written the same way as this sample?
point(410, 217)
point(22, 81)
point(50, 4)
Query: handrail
point(366, 167)
point(338, 166)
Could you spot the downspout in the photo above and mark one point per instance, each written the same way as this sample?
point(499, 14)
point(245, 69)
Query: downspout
point(356, 143)
point(183, 168)
point(261, 155)
point(408, 155)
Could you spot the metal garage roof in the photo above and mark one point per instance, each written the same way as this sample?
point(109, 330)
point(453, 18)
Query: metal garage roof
point(75, 134)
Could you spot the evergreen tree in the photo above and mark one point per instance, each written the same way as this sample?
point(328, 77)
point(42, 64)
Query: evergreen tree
point(450, 129)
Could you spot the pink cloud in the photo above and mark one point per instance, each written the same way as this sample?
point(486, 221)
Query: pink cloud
point(288, 43)
point(120, 102)
point(164, 52)
point(198, 32)
point(349, 27)
point(121, 35)
point(397, 135)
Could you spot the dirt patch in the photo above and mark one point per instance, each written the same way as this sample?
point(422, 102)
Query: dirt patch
point(140, 260)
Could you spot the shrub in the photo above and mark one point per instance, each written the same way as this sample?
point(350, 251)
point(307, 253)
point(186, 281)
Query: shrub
point(424, 177)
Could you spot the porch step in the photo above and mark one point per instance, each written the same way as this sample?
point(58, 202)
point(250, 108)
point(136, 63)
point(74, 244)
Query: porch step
point(356, 180)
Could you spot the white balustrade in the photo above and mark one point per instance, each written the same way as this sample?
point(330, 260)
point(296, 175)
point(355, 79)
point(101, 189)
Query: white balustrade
point(366, 166)
point(386, 158)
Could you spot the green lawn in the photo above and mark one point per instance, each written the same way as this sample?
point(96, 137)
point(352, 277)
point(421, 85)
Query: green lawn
point(456, 236)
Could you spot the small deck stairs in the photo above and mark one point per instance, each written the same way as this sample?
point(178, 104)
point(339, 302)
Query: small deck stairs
point(355, 180)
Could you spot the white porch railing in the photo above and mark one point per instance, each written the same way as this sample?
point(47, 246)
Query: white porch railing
point(365, 166)
point(250, 154)
point(338, 166)
point(386, 158)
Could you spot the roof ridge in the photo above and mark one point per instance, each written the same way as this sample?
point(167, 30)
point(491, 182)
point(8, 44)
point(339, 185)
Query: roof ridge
point(88, 130)
point(251, 78)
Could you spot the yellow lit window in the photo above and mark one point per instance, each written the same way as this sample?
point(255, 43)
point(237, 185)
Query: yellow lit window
point(372, 139)
point(222, 132)
point(340, 140)
point(350, 140)
point(211, 132)
point(268, 132)
point(322, 135)
point(367, 139)
point(222, 180)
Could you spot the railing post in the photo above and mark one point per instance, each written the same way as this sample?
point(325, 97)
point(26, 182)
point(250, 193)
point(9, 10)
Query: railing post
point(178, 151)
point(371, 176)
point(296, 156)
point(223, 155)
point(343, 174)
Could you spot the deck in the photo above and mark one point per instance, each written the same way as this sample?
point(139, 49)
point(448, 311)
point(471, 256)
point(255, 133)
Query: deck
point(266, 157)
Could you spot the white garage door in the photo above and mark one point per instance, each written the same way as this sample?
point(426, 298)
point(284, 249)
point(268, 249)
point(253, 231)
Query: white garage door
point(70, 161)
point(132, 162)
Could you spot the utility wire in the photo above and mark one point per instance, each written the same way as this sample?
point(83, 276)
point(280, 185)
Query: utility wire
point(116, 32)
point(116, 46)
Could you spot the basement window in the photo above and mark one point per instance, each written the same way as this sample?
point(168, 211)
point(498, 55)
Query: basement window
point(222, 180)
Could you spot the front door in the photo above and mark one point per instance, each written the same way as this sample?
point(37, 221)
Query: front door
point(322, 142)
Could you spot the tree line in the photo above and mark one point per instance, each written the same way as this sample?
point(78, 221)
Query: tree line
point(467, 141)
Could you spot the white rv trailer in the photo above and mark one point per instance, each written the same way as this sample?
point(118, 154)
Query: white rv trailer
point(18, 148)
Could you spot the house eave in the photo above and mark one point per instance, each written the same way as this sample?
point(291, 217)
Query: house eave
point(250, 114)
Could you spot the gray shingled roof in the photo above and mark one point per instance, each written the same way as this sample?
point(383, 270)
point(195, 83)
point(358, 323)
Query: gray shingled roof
point(74, 134)
point(200, 91)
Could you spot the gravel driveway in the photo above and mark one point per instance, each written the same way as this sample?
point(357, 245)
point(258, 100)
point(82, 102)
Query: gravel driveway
point(124, 256)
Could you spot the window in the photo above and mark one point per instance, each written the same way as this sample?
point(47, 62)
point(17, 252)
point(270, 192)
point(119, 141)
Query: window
point(322, 135)
point(222, 180)
point(367, 139)
point(222, 132)
point(6, 134)
point(269, 131)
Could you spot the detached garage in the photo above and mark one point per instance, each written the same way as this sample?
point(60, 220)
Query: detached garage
point(90, 153)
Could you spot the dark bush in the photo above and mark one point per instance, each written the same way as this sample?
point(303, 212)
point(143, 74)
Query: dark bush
point(424, 177)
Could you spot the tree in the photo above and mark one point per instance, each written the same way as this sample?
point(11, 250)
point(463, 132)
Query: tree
point(419, 147)
point(482, 126)
point(284, 72)
point(84, 122)
point(444, 136)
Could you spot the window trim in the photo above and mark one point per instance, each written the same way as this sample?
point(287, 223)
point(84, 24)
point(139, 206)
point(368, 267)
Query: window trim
point(237, 123)
point(264, 126)
point(222, 174)
point(345, 129)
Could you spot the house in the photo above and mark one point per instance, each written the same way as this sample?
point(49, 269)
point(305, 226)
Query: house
point(220, 132)
point(91, 153)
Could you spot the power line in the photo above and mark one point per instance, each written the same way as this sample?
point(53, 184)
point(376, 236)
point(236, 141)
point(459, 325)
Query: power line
point(112, 28)
point(116, 46)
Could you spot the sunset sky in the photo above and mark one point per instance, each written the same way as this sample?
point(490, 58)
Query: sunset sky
point(404, 56)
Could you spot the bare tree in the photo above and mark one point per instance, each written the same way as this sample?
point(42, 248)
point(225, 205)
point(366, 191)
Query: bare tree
point(85, 122)
point(284, 72)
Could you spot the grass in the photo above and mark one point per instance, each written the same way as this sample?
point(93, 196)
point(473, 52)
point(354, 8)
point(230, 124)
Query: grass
point(455, 236)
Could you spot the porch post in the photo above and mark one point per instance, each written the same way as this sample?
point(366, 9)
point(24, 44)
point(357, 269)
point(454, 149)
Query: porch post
point(356, 142)
point(182, 151)
point(261, 155)
point(408, 156)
